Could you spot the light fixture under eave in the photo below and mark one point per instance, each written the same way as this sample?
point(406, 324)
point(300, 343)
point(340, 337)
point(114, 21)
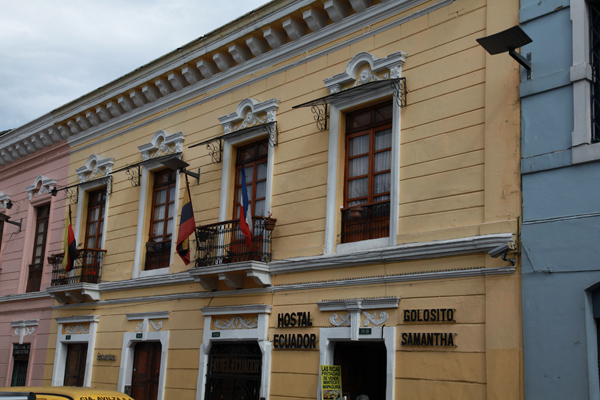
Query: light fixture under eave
point(6, 218)
point(507, 41)
point(9, 204)
point(177, 164)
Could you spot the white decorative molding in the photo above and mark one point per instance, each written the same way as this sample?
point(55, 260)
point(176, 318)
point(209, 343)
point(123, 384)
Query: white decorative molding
point(257, 46)
point(240, 54)
point(371, 318)
point(207, 68)
point(223, 61)
point(274, 37)
point(336, 10)
point(162, 143)
point(24, 328)
point(191, 74)
point(177, 81)
point(41, 185)
point(147, 320)
point(75, 335)
point(376, 69)
point(295, 29)
point(4, 198)
point(360, 5)
point(81, 292)
point(151, 93)
point(95, 167)
point(258, 333)
point(236, 322)
point(229, 310)
point(344, 320)
point(314, 19)
point(164, 86)
point(250, 112)
point(356, 308)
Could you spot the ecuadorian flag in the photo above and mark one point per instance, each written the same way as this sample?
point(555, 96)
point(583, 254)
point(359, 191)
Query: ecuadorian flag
point(187, 225)
point(69, 245)
point(245, 214)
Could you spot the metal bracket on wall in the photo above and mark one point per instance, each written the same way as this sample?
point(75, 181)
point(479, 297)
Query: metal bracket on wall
point(133, 173)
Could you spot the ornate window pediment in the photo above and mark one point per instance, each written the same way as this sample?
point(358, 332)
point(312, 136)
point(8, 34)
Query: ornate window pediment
point(366, 68)
point(4, 198)
point(41, 185)
point(249, 113)
point(95, 167)
point(162, 143)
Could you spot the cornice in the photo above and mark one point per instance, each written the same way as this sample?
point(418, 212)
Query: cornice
point(243, 309)
point(98, 120)
point(419, 276)
point(78, 319)
point(402, 252)
point(149, 315)
point(24, 296)
point(147, 282)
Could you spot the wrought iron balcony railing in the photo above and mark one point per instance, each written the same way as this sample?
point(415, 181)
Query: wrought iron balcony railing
point(223, 242)
point(367, 221)
point(87, 268)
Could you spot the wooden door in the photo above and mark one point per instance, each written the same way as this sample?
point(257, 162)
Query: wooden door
point(75, 365)
point(146, 371)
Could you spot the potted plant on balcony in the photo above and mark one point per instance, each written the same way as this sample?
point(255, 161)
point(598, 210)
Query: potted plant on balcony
point(51, 259)
point(356, 211)
point(268, 222)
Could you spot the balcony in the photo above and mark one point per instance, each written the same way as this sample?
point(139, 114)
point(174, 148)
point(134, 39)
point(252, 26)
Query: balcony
point(79, 284)
point(223, 255)
point(158, 255)
point(365, 222)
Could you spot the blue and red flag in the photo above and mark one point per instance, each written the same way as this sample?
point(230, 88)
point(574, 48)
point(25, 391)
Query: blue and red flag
point(187, 226)
point(245, 214)
point(69, 244)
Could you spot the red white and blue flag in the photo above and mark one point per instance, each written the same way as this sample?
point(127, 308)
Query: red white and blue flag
point(245, 214)
point(187, 226)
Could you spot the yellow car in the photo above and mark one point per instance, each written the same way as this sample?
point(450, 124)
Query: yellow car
point(60, 393)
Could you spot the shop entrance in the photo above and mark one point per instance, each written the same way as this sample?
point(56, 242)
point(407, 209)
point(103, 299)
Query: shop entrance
point(363, 368)
point(75, 365)
point(234, 371)
point(146, 371)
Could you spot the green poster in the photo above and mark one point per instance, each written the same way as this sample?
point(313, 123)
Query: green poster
point(331, 382)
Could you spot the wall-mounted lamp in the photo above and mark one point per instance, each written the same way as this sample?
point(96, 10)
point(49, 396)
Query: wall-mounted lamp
point(6, 218)
point(509, 40)
point(9, 204)
point(177, 164)
point(54, 191)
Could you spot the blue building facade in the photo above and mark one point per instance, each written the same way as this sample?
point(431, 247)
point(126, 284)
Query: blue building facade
point(560, 240)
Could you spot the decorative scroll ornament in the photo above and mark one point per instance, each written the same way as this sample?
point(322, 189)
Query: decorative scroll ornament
point(250, 120)
point(24, 331)
point(156, 326)
point(4, 198)
point(133, 174)
point(345, 320)
point(162, 144)
point(247, 114)
point(383, 317)
point(41, 185)
point(77, 329)
point(140, 327)
point(367, 76)
point(95, 167)
point(236, 322)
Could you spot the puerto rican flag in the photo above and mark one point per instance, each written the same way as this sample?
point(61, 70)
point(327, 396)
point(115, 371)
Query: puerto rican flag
point(245, 213)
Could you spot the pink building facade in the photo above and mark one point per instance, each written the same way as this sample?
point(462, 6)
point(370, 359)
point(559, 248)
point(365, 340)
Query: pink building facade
point(29, 169)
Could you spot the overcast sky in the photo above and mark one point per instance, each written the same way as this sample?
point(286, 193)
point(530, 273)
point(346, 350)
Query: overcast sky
point(52, 52)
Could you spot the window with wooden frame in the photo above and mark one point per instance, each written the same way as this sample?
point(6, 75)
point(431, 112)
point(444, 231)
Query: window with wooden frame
point(367, 177)
point(158, 248)
point(95, 219)
point(254, 158)
point(34, 278)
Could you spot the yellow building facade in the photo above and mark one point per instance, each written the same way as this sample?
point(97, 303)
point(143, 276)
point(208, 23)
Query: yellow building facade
point(384, 144)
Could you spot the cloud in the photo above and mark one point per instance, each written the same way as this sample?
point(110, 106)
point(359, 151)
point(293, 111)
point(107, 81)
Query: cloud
point(54, 52)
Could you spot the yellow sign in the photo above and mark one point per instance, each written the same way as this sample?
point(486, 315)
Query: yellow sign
point(331, 382)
